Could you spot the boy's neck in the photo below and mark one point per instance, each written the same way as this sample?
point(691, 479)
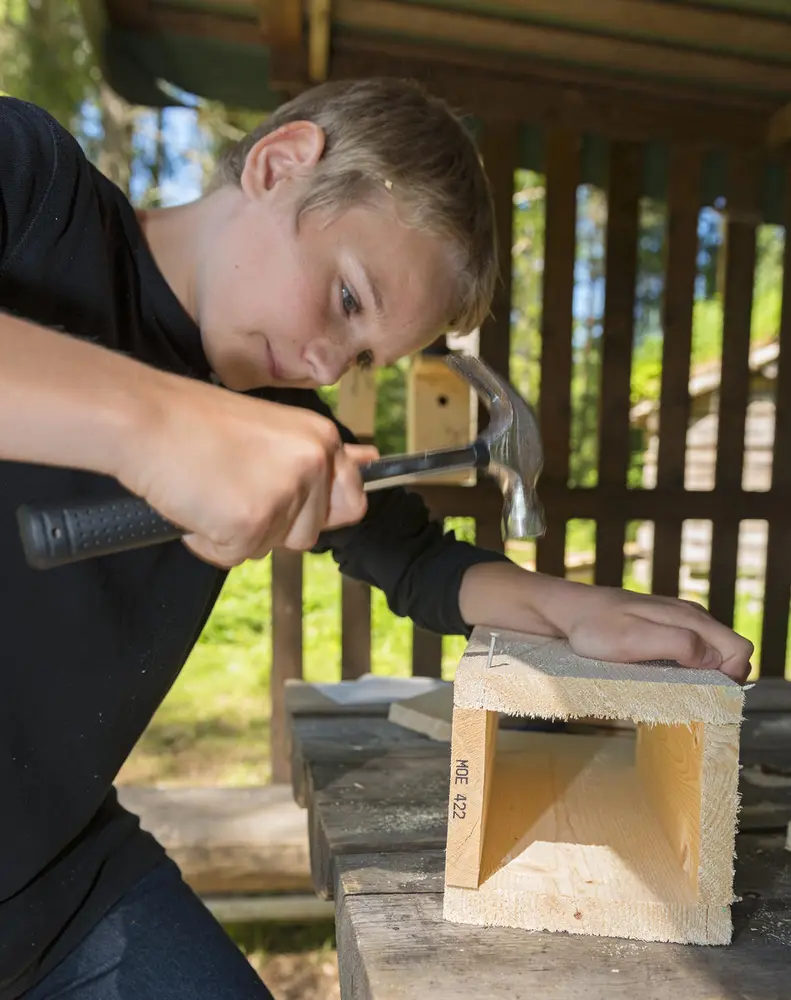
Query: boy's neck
point(175, 237)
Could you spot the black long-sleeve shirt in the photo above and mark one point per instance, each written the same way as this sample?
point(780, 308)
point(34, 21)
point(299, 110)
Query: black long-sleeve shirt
point(89, 651)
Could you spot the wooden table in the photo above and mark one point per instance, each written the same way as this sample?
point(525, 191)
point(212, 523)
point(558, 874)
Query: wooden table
point(376, 797)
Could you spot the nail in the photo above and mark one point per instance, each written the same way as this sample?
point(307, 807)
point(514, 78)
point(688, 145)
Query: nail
point(492, 641)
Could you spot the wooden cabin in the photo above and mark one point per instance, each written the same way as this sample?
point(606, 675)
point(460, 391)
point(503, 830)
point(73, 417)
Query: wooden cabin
point(688, 102)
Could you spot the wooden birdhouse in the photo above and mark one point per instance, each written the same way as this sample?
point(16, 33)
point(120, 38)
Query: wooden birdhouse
point(442, 411)
point(623, 833)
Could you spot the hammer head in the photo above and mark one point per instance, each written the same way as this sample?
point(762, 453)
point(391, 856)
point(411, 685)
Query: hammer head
point(513, 440)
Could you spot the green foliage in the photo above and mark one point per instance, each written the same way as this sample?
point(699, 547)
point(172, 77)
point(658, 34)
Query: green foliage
point(45, 57)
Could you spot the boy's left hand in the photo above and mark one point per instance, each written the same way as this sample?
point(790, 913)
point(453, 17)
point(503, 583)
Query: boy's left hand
point(602, 622)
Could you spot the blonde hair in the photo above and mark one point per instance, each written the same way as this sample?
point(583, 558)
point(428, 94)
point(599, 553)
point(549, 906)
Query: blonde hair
point(390, 135)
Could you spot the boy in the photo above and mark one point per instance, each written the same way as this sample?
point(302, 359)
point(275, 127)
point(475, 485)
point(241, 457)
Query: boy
point(176, 352)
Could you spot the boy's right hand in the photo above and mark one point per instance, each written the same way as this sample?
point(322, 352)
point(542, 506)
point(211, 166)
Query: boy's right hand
point(242, 476)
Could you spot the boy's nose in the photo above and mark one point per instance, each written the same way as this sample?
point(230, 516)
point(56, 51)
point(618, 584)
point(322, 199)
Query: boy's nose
point(327, 362)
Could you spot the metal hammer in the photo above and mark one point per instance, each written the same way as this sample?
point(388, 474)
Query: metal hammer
point(509, 450)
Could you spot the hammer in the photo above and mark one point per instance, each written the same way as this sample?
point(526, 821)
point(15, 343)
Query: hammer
point(509, 450)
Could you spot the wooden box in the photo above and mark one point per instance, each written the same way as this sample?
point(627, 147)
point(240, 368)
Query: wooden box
point(625, 835)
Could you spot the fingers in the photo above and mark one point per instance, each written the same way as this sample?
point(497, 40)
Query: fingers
point(693, 640)
point(635, 640)
point(726, 650)
point(348, 502)
point(361, 453)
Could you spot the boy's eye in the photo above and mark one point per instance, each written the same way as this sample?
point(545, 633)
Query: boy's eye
point(349, 302)
point(365, 359)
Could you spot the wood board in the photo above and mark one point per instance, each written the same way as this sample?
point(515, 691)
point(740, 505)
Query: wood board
point(228, 840)
point(393, 942)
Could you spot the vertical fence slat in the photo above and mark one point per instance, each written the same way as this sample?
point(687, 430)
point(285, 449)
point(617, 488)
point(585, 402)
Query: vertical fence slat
point(742, 208)
point(623, 205)
point(777, 593)
point(500, 153)
point(286, 651)
point(499, 148)
point(355, 628)
point(426, 653)
point(560, 244)
point(684, 197)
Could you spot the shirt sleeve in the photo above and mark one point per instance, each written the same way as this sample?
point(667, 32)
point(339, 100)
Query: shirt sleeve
point(28, 168)
point(398, 548)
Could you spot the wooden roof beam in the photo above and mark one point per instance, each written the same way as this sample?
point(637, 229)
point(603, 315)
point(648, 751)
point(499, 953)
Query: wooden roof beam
point(282, 23)
point(712, 29)
point(625, 55)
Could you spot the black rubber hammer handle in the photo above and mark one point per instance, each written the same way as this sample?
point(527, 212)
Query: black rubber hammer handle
point(58, 535)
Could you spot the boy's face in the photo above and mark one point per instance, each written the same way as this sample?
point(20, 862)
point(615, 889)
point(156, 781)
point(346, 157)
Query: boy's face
point(287, 304)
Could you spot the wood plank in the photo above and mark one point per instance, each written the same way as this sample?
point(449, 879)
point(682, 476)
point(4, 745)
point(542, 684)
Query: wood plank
point(348, 740)
point(777, 582)
point(430, 714)
point(743, 216)
point(768, 694)
point(779, 131)
point(372, 874)
point(683, 208)
point(766, 799)
point(391, 946)
point(669, 106)
point(761, 871)
point(499, 148)
point(228, 840)
point(718, 29)
point(542, 678)
point(426, 653)
point(473, 750)
point(355, 628)
point(303, 699)
point(637, 504)
point(489, 533)
point(286, 650)
point(560, 241)
point(319, 39)
point(377, 807)
point(623, 205)
point(515, 89)
point(614, 54)
point(281, 20)
point(594, 502)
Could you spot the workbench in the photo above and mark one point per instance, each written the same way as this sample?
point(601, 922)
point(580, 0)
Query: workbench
point(376, 797)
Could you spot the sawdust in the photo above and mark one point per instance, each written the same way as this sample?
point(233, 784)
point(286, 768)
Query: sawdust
point(617, 949)
point(771, 925)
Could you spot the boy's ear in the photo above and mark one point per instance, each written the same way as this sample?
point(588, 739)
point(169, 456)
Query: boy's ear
point(281, 155)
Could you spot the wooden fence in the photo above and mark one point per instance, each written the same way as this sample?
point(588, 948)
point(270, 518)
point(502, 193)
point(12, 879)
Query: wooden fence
point(611, 503)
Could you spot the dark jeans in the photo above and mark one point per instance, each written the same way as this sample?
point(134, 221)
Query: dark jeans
point(158, 943)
